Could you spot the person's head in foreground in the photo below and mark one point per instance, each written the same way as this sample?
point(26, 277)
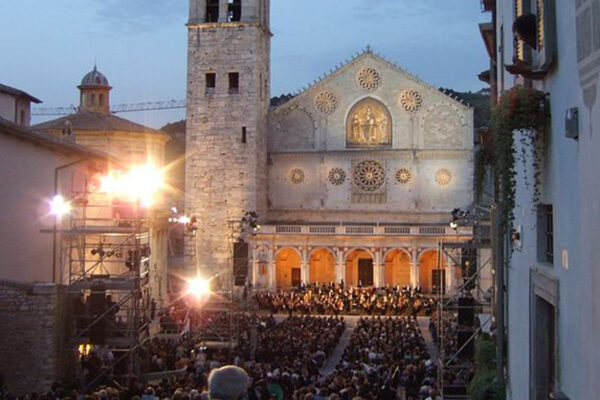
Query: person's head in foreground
point(227, 383)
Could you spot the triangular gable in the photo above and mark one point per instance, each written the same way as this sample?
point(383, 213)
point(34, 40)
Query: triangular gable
point(356, 59)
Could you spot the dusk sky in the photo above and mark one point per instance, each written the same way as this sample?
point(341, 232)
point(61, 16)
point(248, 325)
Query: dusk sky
point(140, 45)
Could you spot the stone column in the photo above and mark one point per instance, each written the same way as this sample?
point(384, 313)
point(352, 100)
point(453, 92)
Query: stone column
point(377, 268)
point(339, 265)
point(414, 266)
point(223, 7)
point(255, 266)
point(271, 270)
point(304, 266)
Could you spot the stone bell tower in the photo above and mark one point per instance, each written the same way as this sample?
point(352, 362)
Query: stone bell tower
point(228, 94)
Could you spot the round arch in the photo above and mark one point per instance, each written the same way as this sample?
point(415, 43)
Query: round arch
point(359, 267)
point(429, 269)
point(288, 262)
point(321, 266)
point(397, 268)
point(393, 249)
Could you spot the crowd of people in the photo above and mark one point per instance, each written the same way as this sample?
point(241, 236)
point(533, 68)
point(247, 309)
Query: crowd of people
point(283, 358)
point(337, 299)
point(386, 358)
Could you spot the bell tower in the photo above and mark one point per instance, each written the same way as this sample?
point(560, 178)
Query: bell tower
point(228, 94)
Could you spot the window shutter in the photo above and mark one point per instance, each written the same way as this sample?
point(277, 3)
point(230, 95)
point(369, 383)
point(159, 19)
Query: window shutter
point(519, 44)
point(546, 17)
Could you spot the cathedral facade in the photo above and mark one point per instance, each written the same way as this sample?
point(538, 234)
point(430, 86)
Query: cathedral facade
point(353, 179)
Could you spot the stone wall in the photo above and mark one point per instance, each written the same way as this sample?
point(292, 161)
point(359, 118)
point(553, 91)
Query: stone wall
point(32, 337)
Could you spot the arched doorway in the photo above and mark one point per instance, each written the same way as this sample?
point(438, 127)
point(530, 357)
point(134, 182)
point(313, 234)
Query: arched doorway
point(287, 268)
point(321, 267)
point(432, 273)
point(359, 268)
point(397, 268)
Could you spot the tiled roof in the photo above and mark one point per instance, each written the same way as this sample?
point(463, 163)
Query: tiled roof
point(18, 93)
point(9, 128)
point(93, 121)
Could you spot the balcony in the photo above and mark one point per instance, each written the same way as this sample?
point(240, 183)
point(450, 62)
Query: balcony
point(365, 230)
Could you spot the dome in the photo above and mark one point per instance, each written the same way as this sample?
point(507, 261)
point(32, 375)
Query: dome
point(94, 78)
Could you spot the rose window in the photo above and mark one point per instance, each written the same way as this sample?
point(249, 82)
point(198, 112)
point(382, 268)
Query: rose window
point(403, 175)
point(443, 176)
point(296, 176)
point(369, 78)
point(411, 100)
point(369, 175)
point(326, 102)
point(337, 176)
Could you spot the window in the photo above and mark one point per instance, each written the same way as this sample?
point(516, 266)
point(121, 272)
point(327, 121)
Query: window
point(243, 134)
point(101, 99)
point(234, 82)
point(545, 234)
point(211, 83)
point(22, 117)
point(212, 11)
point(534, 29)
point(234, 10)
point(92, 99)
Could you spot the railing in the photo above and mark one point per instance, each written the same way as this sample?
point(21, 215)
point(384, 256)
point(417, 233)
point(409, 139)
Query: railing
point(321, 229)
point(358, 230)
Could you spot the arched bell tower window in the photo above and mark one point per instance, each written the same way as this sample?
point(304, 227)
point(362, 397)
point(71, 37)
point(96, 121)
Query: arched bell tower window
point(212, 10)
point(234, 10)
point(369, 124)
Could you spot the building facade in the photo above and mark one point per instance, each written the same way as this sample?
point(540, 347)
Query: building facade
point(15, 105)
point(132, 145)
point(552, 277)
point(352, 179)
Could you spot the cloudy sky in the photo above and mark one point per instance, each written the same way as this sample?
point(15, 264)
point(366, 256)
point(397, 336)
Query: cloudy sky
point(140, 45)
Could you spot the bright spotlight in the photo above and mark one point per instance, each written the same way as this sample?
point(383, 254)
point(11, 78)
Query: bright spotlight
point(59, 207)
point(184, 220)
point(454, 225)
point(139, 183)
point(198, 287)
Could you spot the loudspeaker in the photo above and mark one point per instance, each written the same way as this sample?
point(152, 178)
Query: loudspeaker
point(97, 306)
point(97, 332)
point(466, 311)
point(240, 262)
point(469, 350)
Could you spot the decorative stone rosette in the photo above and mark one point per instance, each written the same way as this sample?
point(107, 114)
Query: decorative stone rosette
point(369, 175)
point(403, 176)
point(337, 176)
point(368, 78)
point(296, 176)
point(443, 176)
point(326, 102)
point(411, 100)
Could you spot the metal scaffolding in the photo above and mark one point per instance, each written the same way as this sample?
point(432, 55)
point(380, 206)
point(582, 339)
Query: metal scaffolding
point(462, 305)
point(104, 259)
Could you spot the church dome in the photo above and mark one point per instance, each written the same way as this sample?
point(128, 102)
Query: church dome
point(94, 78)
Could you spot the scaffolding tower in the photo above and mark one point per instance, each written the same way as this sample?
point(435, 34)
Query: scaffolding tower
point(104, 259)
point(455, 356)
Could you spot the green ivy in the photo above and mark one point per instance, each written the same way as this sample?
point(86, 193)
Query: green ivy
point(518, 109)
point(480, 163)
point(484, 385)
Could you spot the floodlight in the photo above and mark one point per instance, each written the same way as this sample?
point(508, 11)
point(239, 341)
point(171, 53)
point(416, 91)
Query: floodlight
point(198, 287)
point(59, 207)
